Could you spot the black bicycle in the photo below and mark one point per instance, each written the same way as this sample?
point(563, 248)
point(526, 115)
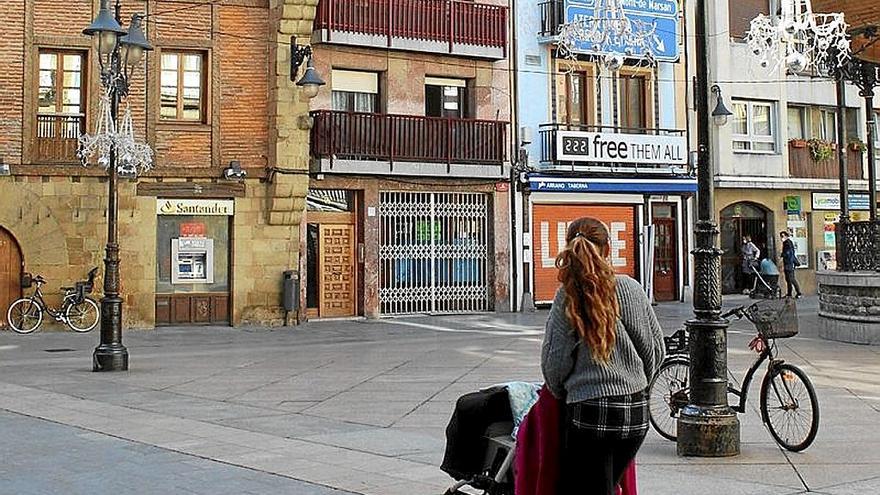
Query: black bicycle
point(78, 311)
point(789, 406)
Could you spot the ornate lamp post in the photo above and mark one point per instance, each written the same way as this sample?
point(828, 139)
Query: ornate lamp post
point(119, 53)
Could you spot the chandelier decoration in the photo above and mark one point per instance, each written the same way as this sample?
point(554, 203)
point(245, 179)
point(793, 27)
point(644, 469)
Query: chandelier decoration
point(799, 39)
point(131, 157)
point(611, 32)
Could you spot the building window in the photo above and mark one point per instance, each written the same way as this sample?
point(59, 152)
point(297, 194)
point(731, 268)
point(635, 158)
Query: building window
point(61, 83)
point(633, 102)
point(182, 96)
point(753, 127)
point(823, 124)
point(797, 123)
point(446, 98)
point(577, 104)
point(355, 91)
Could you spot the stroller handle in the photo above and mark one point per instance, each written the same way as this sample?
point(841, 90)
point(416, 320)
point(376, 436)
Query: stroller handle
point(737, 311)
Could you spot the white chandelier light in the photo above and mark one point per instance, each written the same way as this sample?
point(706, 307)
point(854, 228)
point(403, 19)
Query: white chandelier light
point(607, 32)
point(131, 157)
point(799, 39)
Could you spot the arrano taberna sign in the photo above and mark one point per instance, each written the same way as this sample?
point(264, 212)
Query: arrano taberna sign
point(637, 149)
point(204, 207)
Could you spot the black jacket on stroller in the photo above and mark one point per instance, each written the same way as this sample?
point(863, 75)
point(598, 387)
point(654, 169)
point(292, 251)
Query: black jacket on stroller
point(465, 433)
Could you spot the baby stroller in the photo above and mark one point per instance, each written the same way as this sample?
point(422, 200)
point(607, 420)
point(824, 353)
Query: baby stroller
point(766, 286)
point(479, 445)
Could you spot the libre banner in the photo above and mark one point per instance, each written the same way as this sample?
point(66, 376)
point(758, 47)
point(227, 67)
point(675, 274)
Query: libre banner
point(549, 225)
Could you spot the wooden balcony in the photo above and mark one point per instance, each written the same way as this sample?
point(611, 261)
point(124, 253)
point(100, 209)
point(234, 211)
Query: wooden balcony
point(407, 144)
point(801, 165)
point(456, 27)
point(57, 138)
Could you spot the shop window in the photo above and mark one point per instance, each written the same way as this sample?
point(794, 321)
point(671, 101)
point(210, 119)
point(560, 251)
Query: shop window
point(182, 93)
point(754, 127)
point(633, 102)
point(355, 91)
point(446, 98)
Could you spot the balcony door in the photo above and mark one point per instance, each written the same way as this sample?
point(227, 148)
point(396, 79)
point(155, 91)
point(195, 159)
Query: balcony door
point(633, 103)
point(60, 106)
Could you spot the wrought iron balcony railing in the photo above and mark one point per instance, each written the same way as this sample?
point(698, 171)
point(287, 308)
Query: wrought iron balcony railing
point(552, 16)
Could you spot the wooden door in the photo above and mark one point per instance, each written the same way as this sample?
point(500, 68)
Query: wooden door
point(665, 260)
point(338, 287)
point(10, 273)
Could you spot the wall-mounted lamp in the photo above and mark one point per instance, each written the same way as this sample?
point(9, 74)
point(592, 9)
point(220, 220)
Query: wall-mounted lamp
point(234, 171)
point(310, 81)
point(721, 113)
point(4, 168)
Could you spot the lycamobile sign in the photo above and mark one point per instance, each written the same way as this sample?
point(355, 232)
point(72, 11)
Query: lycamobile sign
point(637, 149)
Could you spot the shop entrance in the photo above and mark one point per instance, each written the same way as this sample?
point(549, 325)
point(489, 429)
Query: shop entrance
point(10, 272)
point(739, 220)
point(331, 254)
point(665, 252)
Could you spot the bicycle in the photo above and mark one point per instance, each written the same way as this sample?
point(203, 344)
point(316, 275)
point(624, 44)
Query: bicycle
point(77, 311)
point(789, 407)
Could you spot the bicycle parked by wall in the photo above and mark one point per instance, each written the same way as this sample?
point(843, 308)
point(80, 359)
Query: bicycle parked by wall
point(78, 311)
point(789, 406)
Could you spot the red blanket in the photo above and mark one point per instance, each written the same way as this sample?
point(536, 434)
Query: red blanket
point(538, 444)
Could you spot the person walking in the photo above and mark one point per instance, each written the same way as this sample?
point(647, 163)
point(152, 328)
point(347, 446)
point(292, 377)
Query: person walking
point(750, 255)
point(602, 345)
point(789, 263)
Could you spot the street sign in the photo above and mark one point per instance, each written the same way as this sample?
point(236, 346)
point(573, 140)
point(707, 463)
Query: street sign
point(662, 15)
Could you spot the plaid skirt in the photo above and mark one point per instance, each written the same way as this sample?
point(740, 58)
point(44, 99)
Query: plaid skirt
point(620, 416)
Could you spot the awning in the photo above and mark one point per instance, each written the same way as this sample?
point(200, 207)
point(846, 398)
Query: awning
point(539, 183)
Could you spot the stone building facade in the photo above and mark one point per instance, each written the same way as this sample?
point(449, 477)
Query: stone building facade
point(216, 90)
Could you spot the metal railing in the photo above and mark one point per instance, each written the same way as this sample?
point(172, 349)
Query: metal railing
point(407, 138)
point(57, 137)
point(450, 21)
point(858, 246)
point(548, 138)
point(552, 16)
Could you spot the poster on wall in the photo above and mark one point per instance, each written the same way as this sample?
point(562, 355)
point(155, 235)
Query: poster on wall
point(826, 260)
point(828, 229)
point(799, 236)
point(549, 226)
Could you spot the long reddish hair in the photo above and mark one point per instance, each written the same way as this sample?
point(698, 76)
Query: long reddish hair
point(590, 287)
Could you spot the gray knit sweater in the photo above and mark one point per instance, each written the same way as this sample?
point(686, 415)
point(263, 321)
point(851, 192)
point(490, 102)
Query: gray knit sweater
point(570, 371)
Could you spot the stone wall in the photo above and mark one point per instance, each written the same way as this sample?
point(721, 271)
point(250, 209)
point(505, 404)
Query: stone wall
point(849, 307)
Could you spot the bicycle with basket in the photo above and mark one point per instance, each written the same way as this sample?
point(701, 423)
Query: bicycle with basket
point(789, 407)
point(78, 311)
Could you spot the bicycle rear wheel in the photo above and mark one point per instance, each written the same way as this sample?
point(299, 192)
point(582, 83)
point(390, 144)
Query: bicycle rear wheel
point(789, 407)
point(24, 316)
point(668, 393)
point(83, 316)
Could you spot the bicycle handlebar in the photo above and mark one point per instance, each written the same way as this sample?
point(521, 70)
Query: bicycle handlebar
point(735, 311)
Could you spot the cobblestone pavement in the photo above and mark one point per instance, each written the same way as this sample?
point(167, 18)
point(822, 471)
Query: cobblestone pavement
point(361, 406)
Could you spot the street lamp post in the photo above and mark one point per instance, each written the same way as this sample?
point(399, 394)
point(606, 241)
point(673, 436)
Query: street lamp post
point(119, 51)
point(707, 427)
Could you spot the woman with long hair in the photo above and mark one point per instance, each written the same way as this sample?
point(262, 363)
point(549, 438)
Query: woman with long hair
point(601, 347)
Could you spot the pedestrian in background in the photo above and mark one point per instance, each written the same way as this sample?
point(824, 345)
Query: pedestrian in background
point(789, 263)
point(750, 255)
point(601, 347)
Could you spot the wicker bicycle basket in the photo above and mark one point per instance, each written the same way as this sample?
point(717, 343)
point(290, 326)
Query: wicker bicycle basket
point(775, 319)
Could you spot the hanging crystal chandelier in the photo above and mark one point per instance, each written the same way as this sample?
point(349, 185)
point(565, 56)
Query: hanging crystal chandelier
point(799, 39)
point(131, 157)
point(610, 33)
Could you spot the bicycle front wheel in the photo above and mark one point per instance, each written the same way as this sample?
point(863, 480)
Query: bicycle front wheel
point(83, 316)
point(668, 393)
point(24, 316)
point(789, 407)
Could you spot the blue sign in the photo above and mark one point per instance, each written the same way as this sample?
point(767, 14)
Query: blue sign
point(545, 184)
point(661, 16)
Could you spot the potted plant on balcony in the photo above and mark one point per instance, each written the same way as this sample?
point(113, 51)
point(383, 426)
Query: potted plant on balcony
point(820, 150)
point(797, 142)
point(856, 144)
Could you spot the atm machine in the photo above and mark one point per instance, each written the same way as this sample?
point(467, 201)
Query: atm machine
point(192, 261)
